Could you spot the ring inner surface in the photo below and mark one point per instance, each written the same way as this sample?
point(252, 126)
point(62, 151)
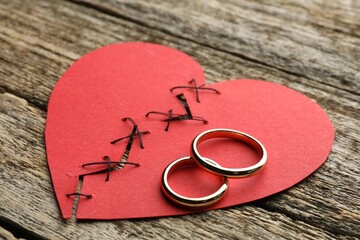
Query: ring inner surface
point(218, 180)
point(217, 169)
point(232, 135)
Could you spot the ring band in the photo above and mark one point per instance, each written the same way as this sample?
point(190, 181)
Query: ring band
point(187, 201)
point(228, 172)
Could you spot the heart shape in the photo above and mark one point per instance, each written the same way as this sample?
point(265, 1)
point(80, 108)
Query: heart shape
point(131, 79)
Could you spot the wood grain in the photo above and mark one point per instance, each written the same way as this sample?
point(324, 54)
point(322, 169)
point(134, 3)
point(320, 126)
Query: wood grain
point(310, 46)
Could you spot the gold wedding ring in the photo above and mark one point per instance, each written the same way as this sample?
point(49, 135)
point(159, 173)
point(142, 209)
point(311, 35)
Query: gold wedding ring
point(187, 201)
point(212, 166)
point(228, 172)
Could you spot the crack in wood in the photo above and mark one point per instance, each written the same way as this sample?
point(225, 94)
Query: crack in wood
point(30, 102)
point(18, 230)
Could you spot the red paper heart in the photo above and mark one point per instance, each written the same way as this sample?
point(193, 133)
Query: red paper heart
point(131, 79)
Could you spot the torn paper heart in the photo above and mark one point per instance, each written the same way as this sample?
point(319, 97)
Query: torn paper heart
point(90, 100)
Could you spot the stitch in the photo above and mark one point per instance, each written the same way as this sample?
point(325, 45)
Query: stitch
point(128, 136)
point(197, 88)
point(139, 133)
point(178, 117)
point(88, 196)
point(109, 168)
point(119, 164)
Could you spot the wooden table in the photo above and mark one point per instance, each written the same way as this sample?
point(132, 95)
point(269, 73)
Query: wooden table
point(310, 46)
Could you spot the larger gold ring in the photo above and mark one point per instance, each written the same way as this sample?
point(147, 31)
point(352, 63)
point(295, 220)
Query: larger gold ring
point(228, 172)
point(187, 201)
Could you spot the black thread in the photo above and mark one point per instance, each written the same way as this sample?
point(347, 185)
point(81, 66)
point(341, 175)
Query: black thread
point(109, 168)
point(123, 160)
point(197, 88)
point(169, 120)
point(178, 117)
point(139, 133)
point(128, 136)
point(88, 196)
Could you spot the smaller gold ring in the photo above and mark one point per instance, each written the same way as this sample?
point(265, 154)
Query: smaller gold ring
point(187, 201)
point(209, 165)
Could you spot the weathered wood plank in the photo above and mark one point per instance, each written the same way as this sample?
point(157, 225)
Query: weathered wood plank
point(42, 43)
point(40, 40)
point(297, 47)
